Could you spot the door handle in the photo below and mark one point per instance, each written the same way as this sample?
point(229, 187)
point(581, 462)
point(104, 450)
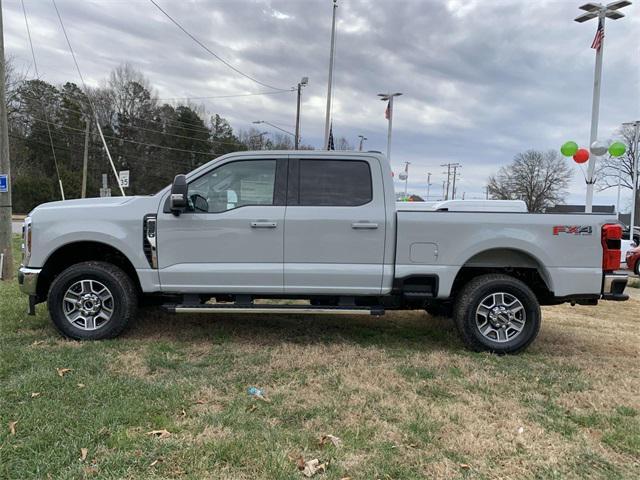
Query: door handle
point(364, 226)
point(263, 224)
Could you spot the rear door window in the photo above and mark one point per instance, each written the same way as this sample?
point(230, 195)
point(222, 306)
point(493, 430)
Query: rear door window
point(334, 183)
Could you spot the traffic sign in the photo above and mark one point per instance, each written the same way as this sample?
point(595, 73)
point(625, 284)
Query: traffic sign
point(123, 175)
point(4, 183)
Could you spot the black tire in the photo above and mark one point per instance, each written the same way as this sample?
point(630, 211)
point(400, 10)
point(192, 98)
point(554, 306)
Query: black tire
point(440, 309)
point(122, 304)
point(478, 291)
point(636, 268)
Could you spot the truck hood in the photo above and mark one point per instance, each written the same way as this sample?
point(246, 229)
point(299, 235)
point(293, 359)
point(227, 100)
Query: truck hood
point(87, 204)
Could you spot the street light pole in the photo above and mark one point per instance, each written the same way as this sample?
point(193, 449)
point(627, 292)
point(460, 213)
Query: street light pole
point(303, 82)
point(599, 11)
point(330, 82)
point(388, 97)
point(362, 139)
point(428, 184)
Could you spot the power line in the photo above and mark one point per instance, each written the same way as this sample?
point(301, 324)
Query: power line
point(44, 111)
point(84, 85)
point(207, 49)
point(235, 95)
point(127, 140)
point(168, 123)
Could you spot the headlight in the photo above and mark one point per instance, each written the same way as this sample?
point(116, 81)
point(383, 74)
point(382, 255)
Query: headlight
point(26, 240)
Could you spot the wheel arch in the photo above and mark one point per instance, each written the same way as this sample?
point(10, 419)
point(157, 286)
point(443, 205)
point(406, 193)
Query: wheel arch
point(82, 251)
point(511, 261)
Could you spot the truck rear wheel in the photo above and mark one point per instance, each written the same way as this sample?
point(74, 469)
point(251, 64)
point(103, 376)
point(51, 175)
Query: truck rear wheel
point(497, 313)
point(92, 301)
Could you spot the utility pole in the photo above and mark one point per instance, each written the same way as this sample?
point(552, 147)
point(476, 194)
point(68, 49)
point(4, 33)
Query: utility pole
point(303, 82)
point(85, 159)
point(599, 11)
point(6, 255)
point(634, 190)
point(444, 182)
point(448, 172)
point(428, 184)
point(453, 192)
point(362, 139)
point(330, 83)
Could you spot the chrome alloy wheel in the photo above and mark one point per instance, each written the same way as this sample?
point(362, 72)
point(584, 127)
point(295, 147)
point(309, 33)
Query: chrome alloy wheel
point(88, 305)
point(500, 317)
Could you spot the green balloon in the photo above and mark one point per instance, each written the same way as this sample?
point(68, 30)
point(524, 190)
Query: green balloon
point(569, 149)
point(617, 149)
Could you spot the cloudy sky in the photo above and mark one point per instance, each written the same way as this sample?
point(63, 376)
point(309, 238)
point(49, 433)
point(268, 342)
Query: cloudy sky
point(482, 79)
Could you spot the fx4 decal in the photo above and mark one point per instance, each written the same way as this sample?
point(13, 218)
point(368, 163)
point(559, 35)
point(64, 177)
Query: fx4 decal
point(572, 230)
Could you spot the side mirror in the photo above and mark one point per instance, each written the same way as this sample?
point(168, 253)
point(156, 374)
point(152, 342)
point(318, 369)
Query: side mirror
point(178, 200)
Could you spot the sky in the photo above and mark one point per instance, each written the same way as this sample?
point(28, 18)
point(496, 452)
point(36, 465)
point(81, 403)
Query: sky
point(481, 79)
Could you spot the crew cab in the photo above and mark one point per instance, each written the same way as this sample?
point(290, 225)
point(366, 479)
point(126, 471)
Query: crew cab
point(317, 226)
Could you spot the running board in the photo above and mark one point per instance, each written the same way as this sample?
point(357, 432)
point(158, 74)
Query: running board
point(279, 309)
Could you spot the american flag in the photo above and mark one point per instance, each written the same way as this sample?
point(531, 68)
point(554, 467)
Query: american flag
point(599, 38)
point(387, 111)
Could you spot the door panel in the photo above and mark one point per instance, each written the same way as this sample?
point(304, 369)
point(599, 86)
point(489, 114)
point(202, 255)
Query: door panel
point(334, 249)
point(234, 242)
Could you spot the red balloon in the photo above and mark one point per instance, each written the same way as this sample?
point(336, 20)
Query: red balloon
point(581, 156)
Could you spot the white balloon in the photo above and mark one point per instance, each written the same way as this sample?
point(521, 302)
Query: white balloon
point(599, 148)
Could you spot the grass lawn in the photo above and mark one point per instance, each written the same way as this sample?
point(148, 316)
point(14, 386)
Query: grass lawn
point(404, 397)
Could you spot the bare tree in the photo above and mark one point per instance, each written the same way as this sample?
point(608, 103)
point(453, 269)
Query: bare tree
point(610, 167)
point(343, 144)
point(540, 179)
point(12, 81)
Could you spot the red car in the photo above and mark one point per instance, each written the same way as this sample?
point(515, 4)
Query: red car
point(633, 256)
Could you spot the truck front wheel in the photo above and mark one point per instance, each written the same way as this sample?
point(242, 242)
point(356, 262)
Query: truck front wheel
point(92, 301)
point(497, 313)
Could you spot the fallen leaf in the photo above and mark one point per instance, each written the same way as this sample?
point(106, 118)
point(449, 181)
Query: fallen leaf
point(12, 427)
point(62, 371)
point(251, 408)
point(83, 454)
point(345, 478)
point(37, 342)
point(35, 394)
point(330, 438)
point(464, 466)
point(312, 467)
point(200, 402)
point(80, 385)
point(159, 433)
point(300, 463)
point(155, 462)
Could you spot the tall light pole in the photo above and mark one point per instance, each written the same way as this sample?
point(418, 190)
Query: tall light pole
point(428, 184)
point(388, 97)
point(362, 139)
point(6, 255)
point(599, 11)
point(303, 83)
point(634, 189)
point(330, 82)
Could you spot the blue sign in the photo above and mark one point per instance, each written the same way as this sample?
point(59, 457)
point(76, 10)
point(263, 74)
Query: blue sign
point(4, 183)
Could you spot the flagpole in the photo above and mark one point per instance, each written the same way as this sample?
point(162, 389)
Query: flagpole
point(330, 82)
point(388, 97)
point(595, 113)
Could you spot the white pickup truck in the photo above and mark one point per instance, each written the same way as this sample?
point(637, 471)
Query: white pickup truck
point(317, 226)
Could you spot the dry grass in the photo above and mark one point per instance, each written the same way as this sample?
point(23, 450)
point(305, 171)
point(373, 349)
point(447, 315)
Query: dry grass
point(400, 391)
